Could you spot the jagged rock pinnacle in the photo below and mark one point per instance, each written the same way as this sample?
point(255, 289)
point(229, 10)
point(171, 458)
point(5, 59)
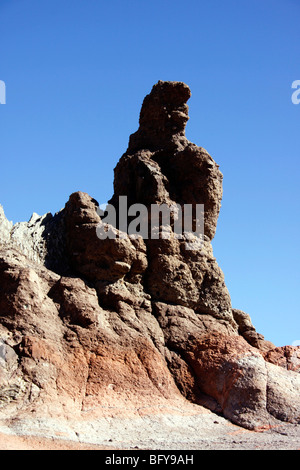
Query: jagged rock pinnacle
point(163, 117)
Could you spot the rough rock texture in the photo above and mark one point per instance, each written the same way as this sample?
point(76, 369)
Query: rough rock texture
point(247, 330)
point(247, 389)
point(41, 239)
point(287, 357)
point(96, 328)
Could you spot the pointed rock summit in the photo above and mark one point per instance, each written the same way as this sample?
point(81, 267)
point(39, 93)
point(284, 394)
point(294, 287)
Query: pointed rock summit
point(97, 328)
point(161, 165)
point(163, 118)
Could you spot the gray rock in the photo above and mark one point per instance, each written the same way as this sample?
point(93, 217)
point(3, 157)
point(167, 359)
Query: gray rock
point(41, 239)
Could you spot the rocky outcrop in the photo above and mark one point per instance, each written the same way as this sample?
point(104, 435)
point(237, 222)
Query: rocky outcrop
point(94, 326)
point(287, 357)
point(247, 330)
point(6, 227)
point(247, 390)
point(162, 166)
point(64, 355)
point(41, 239)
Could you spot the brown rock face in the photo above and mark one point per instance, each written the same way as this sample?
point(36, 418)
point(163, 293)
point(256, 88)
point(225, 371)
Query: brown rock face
point(247, 390)
point(247, 330)
point(96, 327)
point(163, 118)
point(287, 357)
point(161, 166)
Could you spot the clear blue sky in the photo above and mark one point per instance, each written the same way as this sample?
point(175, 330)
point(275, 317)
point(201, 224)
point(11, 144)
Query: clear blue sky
point(76, 73)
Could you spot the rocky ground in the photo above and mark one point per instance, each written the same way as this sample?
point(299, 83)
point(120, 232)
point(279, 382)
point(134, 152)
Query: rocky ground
point(203, 431)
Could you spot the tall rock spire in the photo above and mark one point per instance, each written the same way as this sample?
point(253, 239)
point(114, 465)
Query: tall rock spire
point(163, 117)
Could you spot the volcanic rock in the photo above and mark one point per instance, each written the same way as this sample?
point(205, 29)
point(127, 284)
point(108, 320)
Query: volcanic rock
point(287, 357)
point(103, 326)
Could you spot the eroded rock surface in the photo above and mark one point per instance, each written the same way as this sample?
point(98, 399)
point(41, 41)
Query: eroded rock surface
point(96, 327)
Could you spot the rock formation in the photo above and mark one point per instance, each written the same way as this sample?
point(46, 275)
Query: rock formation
point(94, 327)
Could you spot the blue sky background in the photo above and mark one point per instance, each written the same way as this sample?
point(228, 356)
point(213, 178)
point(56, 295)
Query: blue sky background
point(76, 72)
